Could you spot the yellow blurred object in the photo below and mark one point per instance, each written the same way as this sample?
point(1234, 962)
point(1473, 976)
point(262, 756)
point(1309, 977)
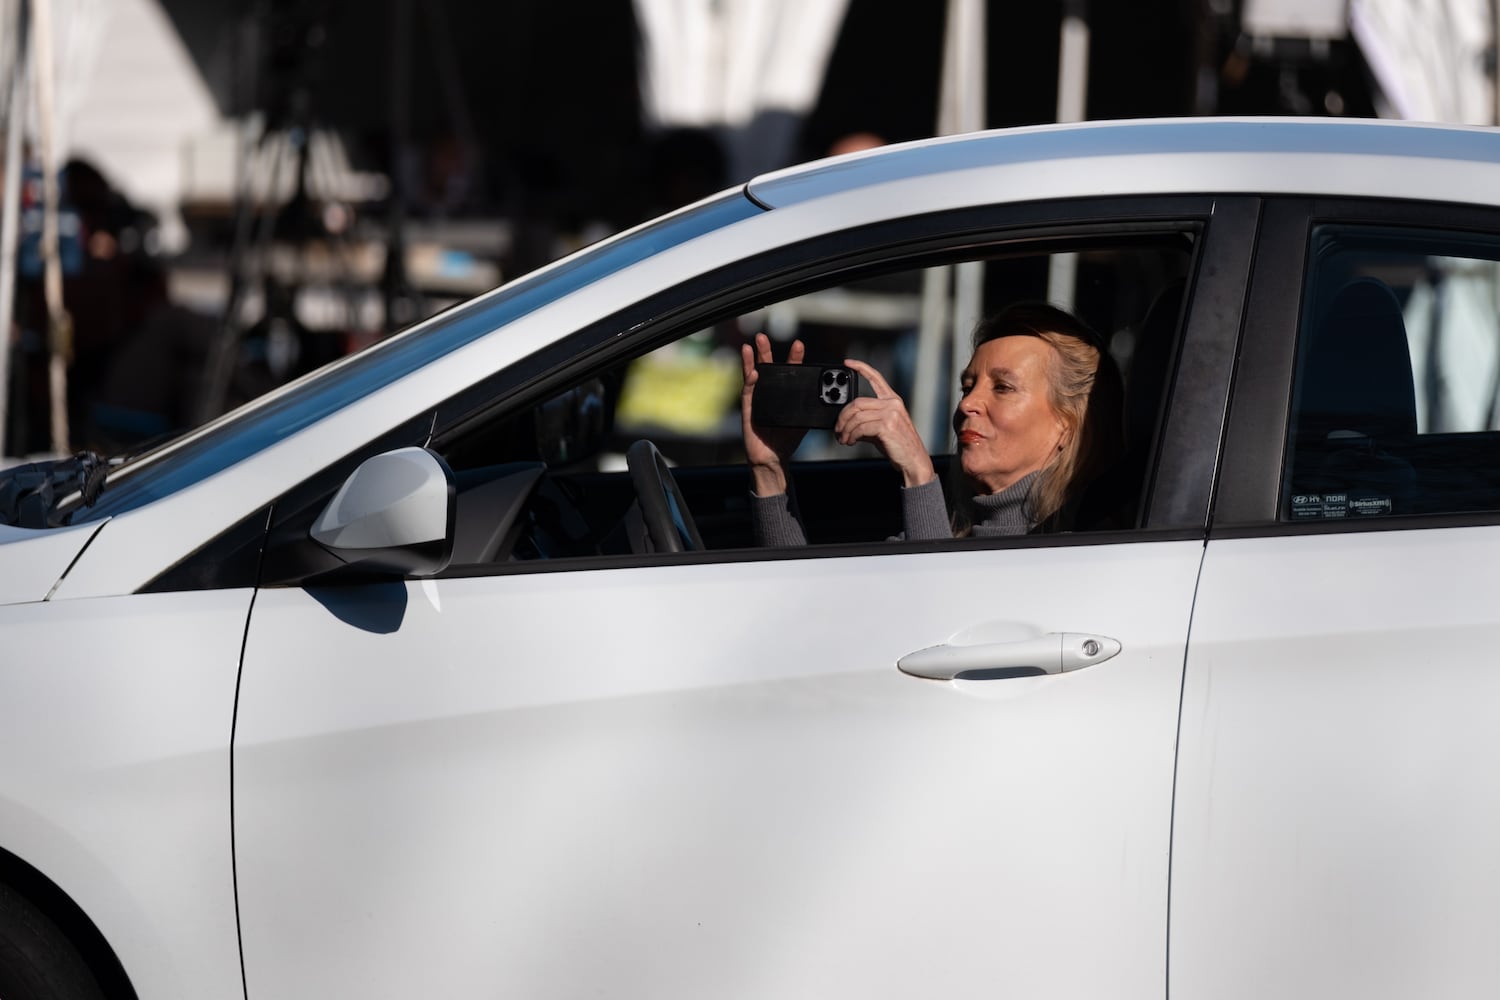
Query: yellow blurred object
point(681, 391)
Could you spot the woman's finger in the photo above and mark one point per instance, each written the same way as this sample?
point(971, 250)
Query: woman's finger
point(889, 407)
point(867, 425)
point(763, 348)
point(877, 381)
point(763, 351)
point(853, 410)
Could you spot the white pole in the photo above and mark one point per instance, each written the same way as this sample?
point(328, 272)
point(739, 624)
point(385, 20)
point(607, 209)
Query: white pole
point(961, 108)
point(1072, 102)
point(968, 278)
point(59, 326)
point(926, 390)
point(1495, 47)
point(10, 197)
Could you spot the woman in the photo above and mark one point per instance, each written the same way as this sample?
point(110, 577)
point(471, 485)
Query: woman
point(1038, 419)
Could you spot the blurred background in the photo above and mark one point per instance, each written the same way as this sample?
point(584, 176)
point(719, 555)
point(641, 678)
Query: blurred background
point(203, 199)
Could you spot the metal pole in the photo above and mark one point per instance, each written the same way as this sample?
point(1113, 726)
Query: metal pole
point(59, 325)
point(15, 66)
point(1495, 61)
point(1072, 101)
point(972, 115)
point(961, 108)
point(400, 307)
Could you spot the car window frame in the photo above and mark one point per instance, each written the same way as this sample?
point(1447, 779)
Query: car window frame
point(1248, 500)
point(1179, 485)
point(1191, 436)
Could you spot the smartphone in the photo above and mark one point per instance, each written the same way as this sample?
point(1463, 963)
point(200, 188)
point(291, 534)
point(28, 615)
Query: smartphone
point(805, 395)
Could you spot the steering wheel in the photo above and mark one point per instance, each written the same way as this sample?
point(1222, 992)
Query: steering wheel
point(669, 523)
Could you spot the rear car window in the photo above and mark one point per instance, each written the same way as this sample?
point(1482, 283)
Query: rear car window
point(1396, 398)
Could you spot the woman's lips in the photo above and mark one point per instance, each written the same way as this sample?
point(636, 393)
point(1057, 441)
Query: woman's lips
point(969, 437)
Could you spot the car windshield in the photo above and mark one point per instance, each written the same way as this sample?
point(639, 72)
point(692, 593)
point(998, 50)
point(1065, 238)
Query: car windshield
point(262, 422)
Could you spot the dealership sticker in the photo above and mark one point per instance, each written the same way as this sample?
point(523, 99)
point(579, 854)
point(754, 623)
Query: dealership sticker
point(1307, 506)
point(1369, 506)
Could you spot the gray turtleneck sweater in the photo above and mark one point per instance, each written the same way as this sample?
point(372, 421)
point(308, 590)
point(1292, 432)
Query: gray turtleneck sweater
point(924, 515)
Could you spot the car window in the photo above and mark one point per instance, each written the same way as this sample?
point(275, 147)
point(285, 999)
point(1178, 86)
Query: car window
point(568, 454)
point(1396, 396)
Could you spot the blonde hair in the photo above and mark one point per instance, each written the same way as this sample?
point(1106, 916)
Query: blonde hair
point(1084, 391)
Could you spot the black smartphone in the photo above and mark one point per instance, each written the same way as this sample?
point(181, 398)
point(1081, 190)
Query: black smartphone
point(805, 395)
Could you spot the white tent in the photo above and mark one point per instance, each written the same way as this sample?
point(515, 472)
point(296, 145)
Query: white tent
point(130, 98)
point(1429, 59)
point(739, 67)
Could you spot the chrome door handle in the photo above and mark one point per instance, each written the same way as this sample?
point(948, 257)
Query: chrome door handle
point(1053, 653)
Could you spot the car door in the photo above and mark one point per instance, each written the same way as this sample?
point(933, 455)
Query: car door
point(704, 774)
point(1336, 813)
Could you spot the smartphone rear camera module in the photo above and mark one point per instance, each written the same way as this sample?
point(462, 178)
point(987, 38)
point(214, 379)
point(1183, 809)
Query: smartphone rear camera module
point(835, 386)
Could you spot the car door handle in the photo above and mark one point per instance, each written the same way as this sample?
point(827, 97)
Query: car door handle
point(1053, 653)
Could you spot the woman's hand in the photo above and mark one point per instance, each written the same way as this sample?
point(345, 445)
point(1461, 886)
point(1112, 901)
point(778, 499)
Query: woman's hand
point(766, 449)
point(883, 421)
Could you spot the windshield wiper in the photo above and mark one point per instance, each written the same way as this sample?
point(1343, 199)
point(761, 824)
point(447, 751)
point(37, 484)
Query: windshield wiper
point(30, 494)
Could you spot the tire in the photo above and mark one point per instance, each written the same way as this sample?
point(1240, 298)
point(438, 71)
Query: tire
point(37, 961)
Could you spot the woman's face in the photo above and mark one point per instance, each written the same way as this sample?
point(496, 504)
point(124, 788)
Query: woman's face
point(1006, 425)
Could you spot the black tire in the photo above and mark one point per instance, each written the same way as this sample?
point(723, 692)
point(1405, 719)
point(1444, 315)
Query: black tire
point(37, 961)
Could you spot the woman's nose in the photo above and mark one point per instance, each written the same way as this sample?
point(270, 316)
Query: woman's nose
point(962, 411)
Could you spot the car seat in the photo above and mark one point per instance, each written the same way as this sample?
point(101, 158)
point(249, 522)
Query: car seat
point(1117, 498)
point(1357, 398)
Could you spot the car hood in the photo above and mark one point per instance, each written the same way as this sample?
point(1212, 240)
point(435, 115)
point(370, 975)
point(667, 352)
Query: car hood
point(33, 560)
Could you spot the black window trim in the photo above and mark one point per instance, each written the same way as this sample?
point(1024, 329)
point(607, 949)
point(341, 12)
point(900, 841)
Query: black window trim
point(840, 550)
point(1250, 484)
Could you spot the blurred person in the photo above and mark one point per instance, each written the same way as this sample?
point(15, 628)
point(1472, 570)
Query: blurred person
point(101, 235)
point(152, 388)
point(855, 142)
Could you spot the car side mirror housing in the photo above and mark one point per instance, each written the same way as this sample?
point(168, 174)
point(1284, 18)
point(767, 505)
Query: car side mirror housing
point(394, 514)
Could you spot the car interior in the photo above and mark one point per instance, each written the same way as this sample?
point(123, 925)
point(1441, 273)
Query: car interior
point(576, 480)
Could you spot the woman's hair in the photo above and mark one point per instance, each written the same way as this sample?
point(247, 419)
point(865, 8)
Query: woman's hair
point(1085, 391)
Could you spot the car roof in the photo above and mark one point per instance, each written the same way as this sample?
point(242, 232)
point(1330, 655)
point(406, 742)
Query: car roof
point(1320, 156)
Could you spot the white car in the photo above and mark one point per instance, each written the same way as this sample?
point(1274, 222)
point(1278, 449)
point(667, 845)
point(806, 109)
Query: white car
point(397, 683)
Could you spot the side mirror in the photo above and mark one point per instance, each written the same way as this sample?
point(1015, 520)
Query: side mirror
point(394, 514)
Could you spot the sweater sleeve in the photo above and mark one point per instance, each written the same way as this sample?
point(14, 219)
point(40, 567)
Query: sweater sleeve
point(773, 523)
point(924, 515)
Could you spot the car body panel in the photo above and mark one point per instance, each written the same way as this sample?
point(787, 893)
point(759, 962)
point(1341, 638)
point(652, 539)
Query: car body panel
point(1336, 810)
point(713, 779)
point(1249, 155)
point(35, 559)
point(114, 729)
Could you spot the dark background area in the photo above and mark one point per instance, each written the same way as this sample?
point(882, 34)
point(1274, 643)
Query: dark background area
point(549, 90)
